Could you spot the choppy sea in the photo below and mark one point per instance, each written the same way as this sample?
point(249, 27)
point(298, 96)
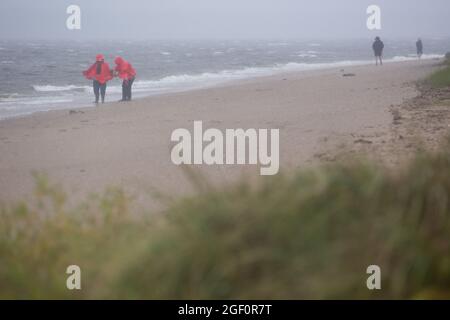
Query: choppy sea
point(40, 76)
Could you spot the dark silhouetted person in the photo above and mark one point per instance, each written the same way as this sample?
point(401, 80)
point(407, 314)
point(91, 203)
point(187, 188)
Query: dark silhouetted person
point(100, 73)
point(125, 72)
point(419, 46)
point(378, 47)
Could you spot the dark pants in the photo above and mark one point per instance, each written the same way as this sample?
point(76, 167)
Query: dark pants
point(126, 89)
point(99, 89)
point(378, 57)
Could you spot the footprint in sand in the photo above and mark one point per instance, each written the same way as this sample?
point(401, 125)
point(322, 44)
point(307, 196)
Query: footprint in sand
point(363, 141)
point(277, 125)
point(75, 111)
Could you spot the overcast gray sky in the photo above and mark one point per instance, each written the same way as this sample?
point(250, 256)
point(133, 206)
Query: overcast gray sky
point(224, 19)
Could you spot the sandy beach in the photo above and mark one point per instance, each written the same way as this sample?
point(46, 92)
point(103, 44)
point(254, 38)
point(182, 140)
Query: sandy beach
point(320, 114)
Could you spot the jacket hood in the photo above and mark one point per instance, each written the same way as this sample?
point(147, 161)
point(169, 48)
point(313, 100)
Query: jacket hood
point(119, 60)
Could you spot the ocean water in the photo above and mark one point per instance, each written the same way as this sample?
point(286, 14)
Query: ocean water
point(40, 76)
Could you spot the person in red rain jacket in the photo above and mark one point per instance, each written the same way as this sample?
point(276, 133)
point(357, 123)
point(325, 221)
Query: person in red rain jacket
point(100, 73)
point(124, 70)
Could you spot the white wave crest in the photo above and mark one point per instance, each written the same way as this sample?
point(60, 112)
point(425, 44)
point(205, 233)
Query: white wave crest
point(414, 57)
point(51, 88)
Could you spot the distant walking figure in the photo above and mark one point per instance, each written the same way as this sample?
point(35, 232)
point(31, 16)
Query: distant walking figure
point(125, 72)
point(100, 73)
point(378, 47)
point(419, 46)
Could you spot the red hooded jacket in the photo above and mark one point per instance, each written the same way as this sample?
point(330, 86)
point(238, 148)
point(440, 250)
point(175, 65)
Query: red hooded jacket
point(124, 69)
point(104, 75)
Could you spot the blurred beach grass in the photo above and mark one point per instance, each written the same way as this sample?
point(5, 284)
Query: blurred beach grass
point(441, 78)
point(309, 234)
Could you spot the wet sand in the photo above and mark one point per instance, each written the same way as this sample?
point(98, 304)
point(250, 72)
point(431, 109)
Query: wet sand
point(319, 114)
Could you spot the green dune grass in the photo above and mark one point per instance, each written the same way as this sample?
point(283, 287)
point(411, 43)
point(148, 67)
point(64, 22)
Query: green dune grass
point(309, 234)
point(441, 78)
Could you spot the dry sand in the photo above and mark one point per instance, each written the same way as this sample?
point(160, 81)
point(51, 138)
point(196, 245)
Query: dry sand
point(320, 114)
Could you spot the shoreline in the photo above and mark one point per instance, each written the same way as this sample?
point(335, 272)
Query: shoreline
point(319, 113)
point(265, 72)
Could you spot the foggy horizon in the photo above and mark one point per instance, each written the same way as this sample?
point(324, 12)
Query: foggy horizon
point(222, 20)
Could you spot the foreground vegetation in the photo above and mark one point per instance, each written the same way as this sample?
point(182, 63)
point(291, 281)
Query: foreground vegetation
point(442, 78)
point(308, 235)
